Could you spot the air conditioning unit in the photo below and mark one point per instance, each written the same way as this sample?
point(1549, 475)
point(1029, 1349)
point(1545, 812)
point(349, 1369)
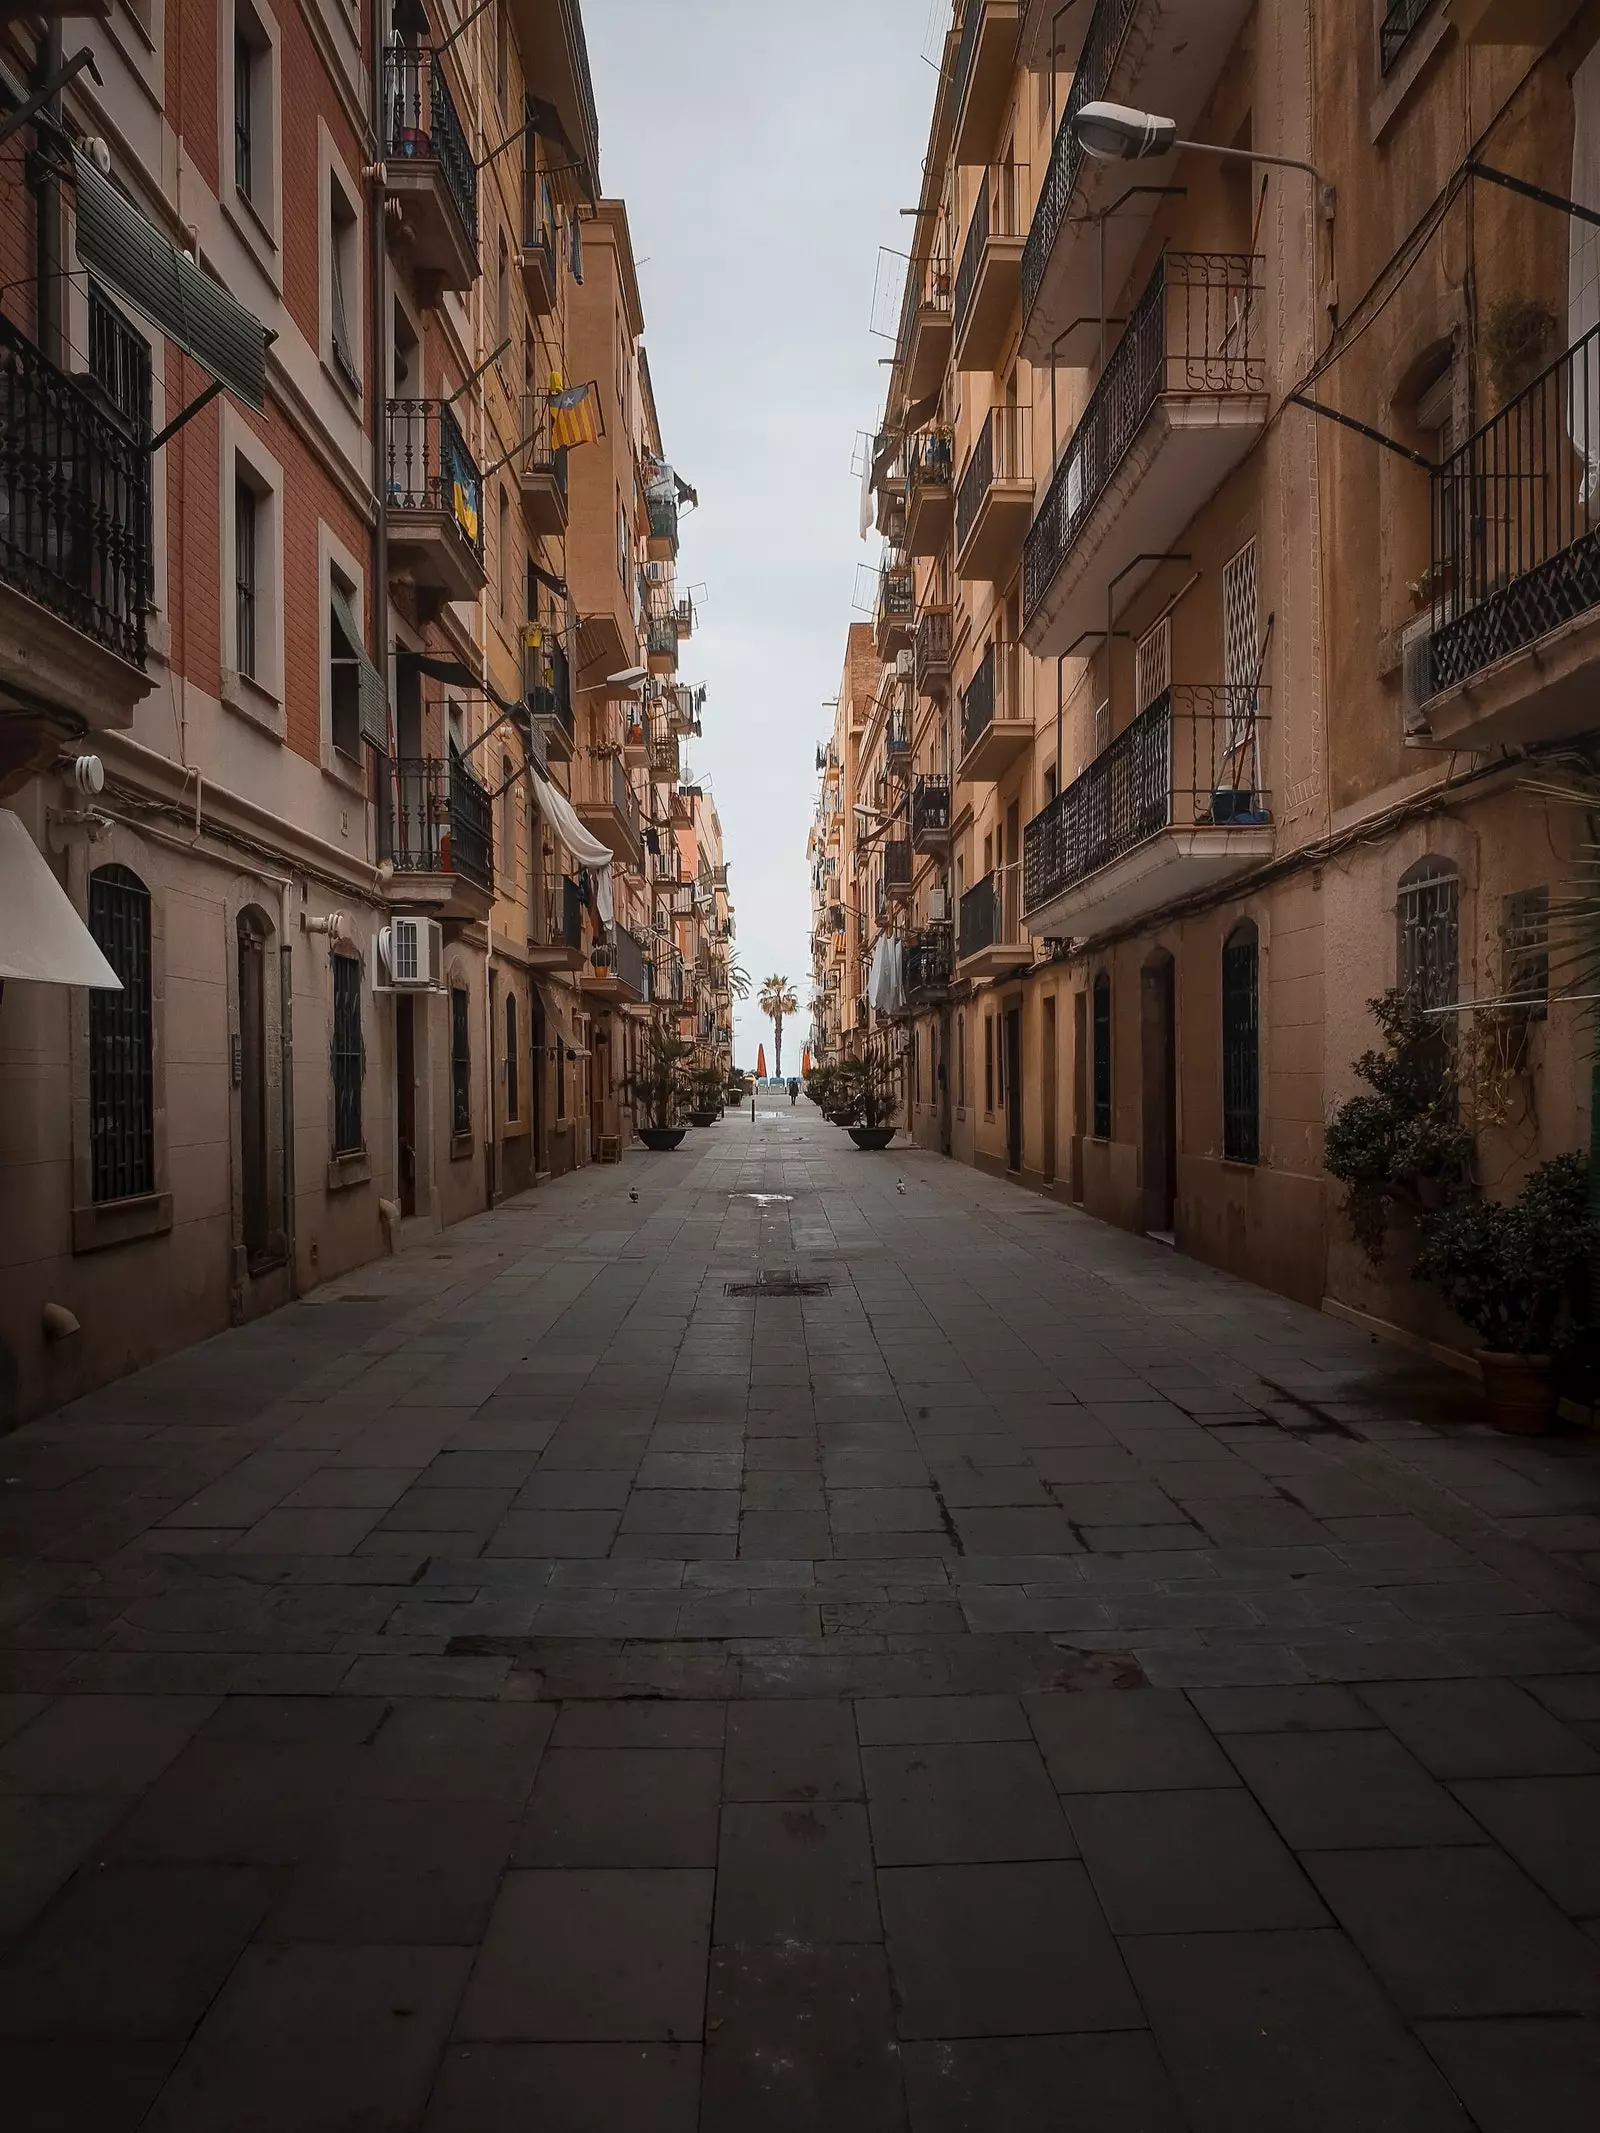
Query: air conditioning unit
point(905, 664)
point(657, 573)
point(938, 905)
point(411, 951)
point(1416, 677)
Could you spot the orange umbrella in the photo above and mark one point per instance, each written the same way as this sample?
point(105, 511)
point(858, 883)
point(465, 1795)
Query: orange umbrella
point(805, 1062)
point(761, 1062)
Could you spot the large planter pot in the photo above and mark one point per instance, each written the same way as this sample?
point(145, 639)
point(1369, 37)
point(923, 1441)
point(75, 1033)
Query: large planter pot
point(1519, 1394)
point(661, 1140)
point(872, 1136)
point(837, 1118)
point(704, 1118)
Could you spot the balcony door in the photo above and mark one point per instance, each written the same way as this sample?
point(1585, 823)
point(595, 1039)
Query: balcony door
point(1013, 1043)
point(1080, 1089)
point(255, 1190)
point(405, 1076)
point(1158, 1049)
point(1047, 1091)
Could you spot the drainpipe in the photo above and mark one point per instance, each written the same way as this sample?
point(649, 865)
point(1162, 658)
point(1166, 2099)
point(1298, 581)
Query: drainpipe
point(378, 373)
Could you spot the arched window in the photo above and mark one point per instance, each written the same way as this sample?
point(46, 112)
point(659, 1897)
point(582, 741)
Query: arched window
point(1241, 1045)
point(1428, 955)
point(122, 1156)
point(1100, 1055)
point(460, 1060)
point(513, 1089)
point(349, 1055)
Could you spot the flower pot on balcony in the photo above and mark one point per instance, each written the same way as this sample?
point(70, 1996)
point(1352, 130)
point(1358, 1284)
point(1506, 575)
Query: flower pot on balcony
point(661, 1140)
point(872, 1136)
point(1519, 1394)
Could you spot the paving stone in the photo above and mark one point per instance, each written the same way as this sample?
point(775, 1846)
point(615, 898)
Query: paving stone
point(1335, 1790)
point(566, 2088)
point(1137, 1740)
point(554, 1533)
point(1454, 1932)
point(593, 1955)
point(339, 1488)
point(1516, 2074)
point(795, 1872)
point(1002, 1951)
point(1262, 2031)
point(963, 1801)
point(42, 1844)
point(681, 1511)
point(392, 1872)
point(1464, 1729)
point(317, 2038)
point(69, 2088)
point(1116, 1503)
point(236, 1803)
point(1015, 1532)
point(622, 1807)
point(882, 1511)
point(479, 1470)
point(575, 1489)
point(1128, 1540)
point(785, 1535)
point(893, 1721)
point(1550, 1826)
point(1112, 2083)
point(431, 1750)
point(308, 1532)
point(797, 1750)
point(78, 1742)
point(783, 1492)
point(1185, 1862)
point(801, 2040)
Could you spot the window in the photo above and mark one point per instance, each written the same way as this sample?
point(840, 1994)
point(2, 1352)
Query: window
point(1241, 1045)
point(988, 1062)
point(349, 1055)
point(344, 252)
point(506, 576)
point(119, 362)
point(508, 818)
point(961, 1061)
point(561, 1076)
point(460, 1061)
point(1152, 663)
point(622, 538)
point(1100, 1056)
point(502, 291)
point(121, 1041)
point(244, 102)
point(344, 668)
point(251, 90)
point(246, 574)
point(1428, 911)
point(1525, 949)
point(513, 1091)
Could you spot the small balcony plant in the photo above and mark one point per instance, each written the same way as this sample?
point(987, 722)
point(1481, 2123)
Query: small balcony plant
point(660, 1086)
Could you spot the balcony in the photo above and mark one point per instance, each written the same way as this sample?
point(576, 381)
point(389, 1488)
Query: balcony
point(666, 765)
point(544, 470)
point(1515, 568)
point(932, 664)
point(897, 746)
point(549, 691)
point(606, 804)
point(926, 969)
point(989, 937)
point(661, 644)
point(1180, 403)
point(635, 743)
point(930, 815)
point(538, 246)
point(989, 277)
point(429, 171)
point(74, 543)
point(896, 869)
point(928, 334)
point(995, 499)
point(897, 609)
point(559, 945)
point(434, 829)
point(433, 501)
point(994, 730)
point(982, 76)
point(1157, 57)
point(1174, 806)
point(667, 983)
point(618, 969)
point(928, 492)
point(661, 537)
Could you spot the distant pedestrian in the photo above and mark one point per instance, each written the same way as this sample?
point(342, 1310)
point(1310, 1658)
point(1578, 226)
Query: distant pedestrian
point(794, 1091)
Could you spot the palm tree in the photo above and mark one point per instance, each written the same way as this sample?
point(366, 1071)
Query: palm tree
point(738, 979)
point(777, 999)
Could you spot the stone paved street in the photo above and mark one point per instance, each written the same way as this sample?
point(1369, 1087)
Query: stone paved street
point(1036, 1683)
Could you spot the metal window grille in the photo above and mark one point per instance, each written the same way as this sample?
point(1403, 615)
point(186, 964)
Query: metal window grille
point(1152, 663)
point(349, 1056)
point(460, 1061)
point(244, 576)
point(1396, 29)
point(1429, 902)
point(1241, 1046)
point(1525, 949)
point(1100, 1056)
point(121, 1041)
point(513, 1090)
point(988, 1062)
point(119, 361)
point(244, 71)
point(1241, 649)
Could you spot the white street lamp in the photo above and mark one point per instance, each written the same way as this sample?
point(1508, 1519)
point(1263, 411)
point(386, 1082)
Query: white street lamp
point(1117, 133)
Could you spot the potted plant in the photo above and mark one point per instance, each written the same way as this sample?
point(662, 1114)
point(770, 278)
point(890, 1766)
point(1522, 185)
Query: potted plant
point(705, 1096)
point(1400, 1146)
point(659, 1087)
point(1506, 1268)
point(871, 1095)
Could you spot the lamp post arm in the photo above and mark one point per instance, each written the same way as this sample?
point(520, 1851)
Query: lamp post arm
point(1256, 155)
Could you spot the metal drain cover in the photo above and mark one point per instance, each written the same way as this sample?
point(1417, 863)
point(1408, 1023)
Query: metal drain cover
point(776, 1285)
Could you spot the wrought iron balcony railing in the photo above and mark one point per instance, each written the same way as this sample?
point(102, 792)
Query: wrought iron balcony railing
point(933, 644)
point(930, 807)
point(663, 515)
point(628, 960)
point(74, 502)
point(550, 685)
point(663, 635)
point(991, 694)
point(435, 817)
point(897, 597)
point(419, 119)
point(1000, 454)
point(1102, 44)
point(929, 460)
point(897, 863)
point(897, 741)
point(927, 961)
point(539, 454)
point(982, 914)
point(1515, 547)
point(1194, 330)
point(428, 467)
point(1190, 760)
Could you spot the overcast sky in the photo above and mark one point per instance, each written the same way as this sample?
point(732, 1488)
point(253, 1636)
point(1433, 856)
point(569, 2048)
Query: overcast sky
point(764, 151)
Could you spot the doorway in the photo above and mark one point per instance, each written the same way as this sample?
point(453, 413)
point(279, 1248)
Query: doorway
point(1014, 1088)
point(1047, 1086)
point(405, 1092)
point(599, 1085)
point(254, 1176)
point(1159, 1091)
point(1080, 1089)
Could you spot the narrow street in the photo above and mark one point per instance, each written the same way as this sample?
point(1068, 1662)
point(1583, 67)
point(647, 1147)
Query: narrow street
point(1030, 1681)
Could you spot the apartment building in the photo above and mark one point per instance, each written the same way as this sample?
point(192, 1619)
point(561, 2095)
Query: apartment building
point(333, 908)
point(1226, 714)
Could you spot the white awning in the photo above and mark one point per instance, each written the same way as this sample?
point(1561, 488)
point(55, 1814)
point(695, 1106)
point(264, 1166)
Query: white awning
point(42, 938)
point(558, 1013)
point(585, 848)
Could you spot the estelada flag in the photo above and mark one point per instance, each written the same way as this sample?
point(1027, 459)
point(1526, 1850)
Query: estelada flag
point(761, 1062)
point(575, 416)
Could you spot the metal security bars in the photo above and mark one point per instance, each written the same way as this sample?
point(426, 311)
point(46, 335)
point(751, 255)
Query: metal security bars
point(990, 694)
point(1000, 454)
point(1194, 330)
point(979, 925)
point(428, 467)
point(932, 647)
point(420, 121)
point(1395, 30)
point(972, 252)
point(930, 807)
point(929, 459)
point(435, 817)
point(1100, 1056)
point(121, 1041)
point(1102, 45)
point(348, 1055)
point(1241, 1046)
point(1190, 760)
point(927, 961)
point(1515, 545)
point(1427, 910)
point(460, 1061)
point(74, 501)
